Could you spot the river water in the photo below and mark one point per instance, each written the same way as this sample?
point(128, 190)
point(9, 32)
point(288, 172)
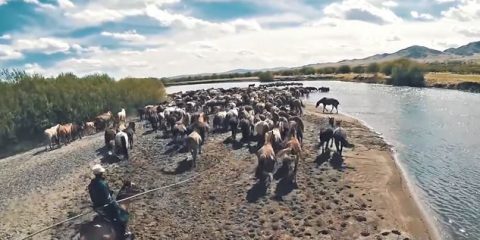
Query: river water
point(436, 136)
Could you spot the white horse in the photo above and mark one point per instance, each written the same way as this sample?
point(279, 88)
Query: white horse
point(122, 115)
point(122, 144)
point(51, 136)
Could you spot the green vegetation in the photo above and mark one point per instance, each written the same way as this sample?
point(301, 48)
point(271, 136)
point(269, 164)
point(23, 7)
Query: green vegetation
point(406, 73)
point(31, 103)
point(373, 68)
point(265, 77)
point(359, 69)
point(343, 69)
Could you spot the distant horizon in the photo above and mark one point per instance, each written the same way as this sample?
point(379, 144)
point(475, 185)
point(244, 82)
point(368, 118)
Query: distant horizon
point(165, 38)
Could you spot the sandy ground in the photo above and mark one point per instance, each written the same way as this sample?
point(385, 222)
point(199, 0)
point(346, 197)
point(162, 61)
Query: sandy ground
point(358, 196)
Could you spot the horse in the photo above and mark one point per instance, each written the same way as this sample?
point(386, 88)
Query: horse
point(122, 144)
point(246, 129)
point(340, 138)
point(328, 101)
point(78, 131)
point(90, 127)
point(326, 135)
point(64, 133)
point(130, 131)
point(109, 136)
point(103, 121)
point(296, 106)
point(292, 146)
point(194, 143)
point(122, 115)
point(233, 123)
point(266, 161)
point(102, 229)
point(51, 136)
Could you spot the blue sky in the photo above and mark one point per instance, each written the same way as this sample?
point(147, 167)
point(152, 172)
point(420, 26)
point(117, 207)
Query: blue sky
point(172, 37)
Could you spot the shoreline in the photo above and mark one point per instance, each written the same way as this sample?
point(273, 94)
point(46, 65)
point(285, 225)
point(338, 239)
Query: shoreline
point(410, 188)
point(401, 189)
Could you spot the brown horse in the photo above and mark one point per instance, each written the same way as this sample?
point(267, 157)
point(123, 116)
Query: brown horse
point(64, 133)
point(293, 146)
point(102, 229)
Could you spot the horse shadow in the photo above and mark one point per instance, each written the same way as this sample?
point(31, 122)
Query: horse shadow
point(41, 151)
point(257, 191)
point(284, 187)
point(171, 150)
point(182, 167)
point(323, 157)
point(148, 132)
point(337, 162)
point(235, 143)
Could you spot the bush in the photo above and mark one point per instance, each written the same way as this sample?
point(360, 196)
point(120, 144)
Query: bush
point(343, 69)
point(31, 103)
point(265, 77)
point(307, 71)
point(358, 69)
point(407, 73)
point(373, 68)
point(329, 70)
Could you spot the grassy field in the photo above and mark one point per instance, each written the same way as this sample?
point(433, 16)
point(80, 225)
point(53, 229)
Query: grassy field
point(450, 78)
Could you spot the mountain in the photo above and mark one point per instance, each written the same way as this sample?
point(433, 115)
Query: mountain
point(419, 53)
point(466, 50)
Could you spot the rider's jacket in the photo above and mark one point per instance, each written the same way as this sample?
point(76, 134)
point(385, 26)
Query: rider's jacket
point(99, 192)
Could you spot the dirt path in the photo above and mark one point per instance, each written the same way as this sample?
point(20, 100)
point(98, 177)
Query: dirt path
point(363, 200)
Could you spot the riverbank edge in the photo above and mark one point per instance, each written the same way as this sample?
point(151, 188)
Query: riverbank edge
point(466, 86)
point(408, 187)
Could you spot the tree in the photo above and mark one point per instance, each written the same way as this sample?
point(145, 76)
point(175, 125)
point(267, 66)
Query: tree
point(387, 68)
point(265, 77)
point(343, 69)
point(329, 70)
point(358, 69)
point(407, 73)
point(307, 70)
point(373, 68)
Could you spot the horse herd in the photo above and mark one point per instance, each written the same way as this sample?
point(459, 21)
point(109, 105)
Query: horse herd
point(269, 117)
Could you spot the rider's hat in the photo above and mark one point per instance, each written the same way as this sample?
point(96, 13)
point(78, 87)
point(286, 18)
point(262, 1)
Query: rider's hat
point(98, 169)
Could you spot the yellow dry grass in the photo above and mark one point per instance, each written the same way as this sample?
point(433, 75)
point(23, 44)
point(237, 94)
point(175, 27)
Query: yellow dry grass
point(450, 78)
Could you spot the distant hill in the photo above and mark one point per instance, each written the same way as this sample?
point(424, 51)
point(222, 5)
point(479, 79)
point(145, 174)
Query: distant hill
point(466, 50)
point(418, 53)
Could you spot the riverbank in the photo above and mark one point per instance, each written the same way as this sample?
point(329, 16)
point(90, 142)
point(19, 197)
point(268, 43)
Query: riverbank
point(366, 198)
point(462, 82)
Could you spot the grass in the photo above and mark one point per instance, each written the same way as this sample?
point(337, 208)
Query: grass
point(450, 78)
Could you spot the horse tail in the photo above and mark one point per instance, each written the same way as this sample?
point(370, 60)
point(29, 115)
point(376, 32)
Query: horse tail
point(124, 145)
point(345, 143)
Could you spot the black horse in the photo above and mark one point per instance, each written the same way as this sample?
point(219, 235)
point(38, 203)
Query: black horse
point(326, 135)
point(328, 101)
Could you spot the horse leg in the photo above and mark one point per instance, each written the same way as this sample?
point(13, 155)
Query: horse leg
point(337, 142)
point(323, 108)
point(336, 107)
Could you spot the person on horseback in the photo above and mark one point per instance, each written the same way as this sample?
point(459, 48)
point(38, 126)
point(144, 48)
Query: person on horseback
point(102, 200)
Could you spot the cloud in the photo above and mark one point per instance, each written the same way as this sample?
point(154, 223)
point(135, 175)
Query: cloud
point(470, 32)
point(3, 2)
point(421, 16)
point(101, 15)
point(130, 36)
point(361, 10)
point(44, 45)
point(32, 68)
point(390, 4)
point(6, 37)
point(40, 4)
point(65, 4)
point(467, 10)
point(8, 53)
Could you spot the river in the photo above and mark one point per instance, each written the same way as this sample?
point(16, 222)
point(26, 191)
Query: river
point(436, 137)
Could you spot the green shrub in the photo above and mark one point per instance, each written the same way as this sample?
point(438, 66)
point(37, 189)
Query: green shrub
point(373, 68)
point(358, 69)
point(265, 77)
point(343, 69)
point(407, 73)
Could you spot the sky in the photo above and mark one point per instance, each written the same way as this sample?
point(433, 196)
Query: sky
point(162, 38)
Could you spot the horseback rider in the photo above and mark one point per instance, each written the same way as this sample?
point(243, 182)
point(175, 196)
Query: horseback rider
point(102, 200)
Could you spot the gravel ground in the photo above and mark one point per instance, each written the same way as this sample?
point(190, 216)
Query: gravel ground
point(224, 202)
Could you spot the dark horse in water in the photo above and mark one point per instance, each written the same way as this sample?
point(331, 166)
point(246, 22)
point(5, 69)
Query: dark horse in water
point(328, 101)
point(102, 229)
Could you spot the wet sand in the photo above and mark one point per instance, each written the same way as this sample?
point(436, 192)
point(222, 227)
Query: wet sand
point(363, 198)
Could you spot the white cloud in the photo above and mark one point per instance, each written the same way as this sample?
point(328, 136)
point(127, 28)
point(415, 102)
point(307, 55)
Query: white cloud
point(8, 53)
point(45, 45)
point(467, 10)
point(390, 4)
point(445, 1)
point(40, 4)
point(470, 32)
point(3, 2)
point(96, 16)
point(361, 10)
point(421, 16)
point(6, 37)
point(65, 4)
point(131, 36)
point(32, 68)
